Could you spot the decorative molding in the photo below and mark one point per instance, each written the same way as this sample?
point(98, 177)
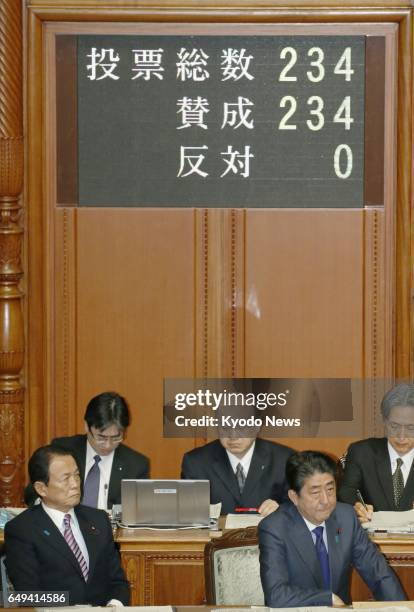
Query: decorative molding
point(394, 559)
point(11, 443)
point(130, 564)
point(66, 409)
point(205, 291)
point(374, 317)
point(11, 234)
point(233, 280)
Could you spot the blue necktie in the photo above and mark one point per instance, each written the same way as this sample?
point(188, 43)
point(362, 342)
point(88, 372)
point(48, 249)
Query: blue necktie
point(323, 557)
point(91, 486)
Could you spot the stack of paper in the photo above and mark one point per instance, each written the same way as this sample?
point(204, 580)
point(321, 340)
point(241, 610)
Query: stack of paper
point(392, 522)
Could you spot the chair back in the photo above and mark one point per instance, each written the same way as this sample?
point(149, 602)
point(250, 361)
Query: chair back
point(231, 569)
point(5, 585)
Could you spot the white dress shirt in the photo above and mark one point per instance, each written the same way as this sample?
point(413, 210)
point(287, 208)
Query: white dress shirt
point(105, 467)
point(57, 517)
point(407, 461)
point(245, 460)
point(311, 527)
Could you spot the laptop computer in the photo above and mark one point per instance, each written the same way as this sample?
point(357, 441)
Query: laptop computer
point(165, 503)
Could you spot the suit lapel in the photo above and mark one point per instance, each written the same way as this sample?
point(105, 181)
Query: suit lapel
point(80, 455)
point(302, 540)
point(51, 535)
point(334, 536)
point(407, 495)
point(257, 469)
point(384, 474)
point(222, 467)
point(117, 473)
point(91, 536)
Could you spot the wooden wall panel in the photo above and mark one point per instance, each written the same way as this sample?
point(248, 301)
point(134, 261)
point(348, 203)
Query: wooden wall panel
point(209, 292)
point(316, 307)
point(125, 304)
point(304, 293)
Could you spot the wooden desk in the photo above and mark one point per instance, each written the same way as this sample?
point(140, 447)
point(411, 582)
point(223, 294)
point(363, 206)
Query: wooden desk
point(167, 568)
point(399, 551)
point(164, 568)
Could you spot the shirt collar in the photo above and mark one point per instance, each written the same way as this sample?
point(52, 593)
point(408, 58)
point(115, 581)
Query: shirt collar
point(407, 458)
point(311, 526)
point(57, 516)
point(245, 460)
point(91, 452)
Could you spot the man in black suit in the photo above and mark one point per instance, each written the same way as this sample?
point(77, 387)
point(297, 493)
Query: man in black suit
point(307, 547)
point(59, 545)
point(244, 472)
point(381, 469)
point(102, 458)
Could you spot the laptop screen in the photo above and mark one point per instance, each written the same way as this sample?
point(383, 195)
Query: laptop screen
point(166, 503)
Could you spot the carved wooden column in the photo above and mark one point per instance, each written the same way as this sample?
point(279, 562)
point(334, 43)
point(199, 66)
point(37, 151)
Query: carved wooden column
point(11, 234)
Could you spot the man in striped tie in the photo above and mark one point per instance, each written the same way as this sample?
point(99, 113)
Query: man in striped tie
point(60, 545)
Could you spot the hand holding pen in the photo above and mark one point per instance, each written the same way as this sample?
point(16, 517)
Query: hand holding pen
point(364, 511)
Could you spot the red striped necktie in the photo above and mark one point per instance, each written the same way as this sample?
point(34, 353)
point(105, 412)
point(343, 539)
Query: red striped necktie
point(73, 545)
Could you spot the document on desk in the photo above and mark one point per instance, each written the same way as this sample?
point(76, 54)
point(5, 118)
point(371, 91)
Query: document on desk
point(306, 609)
point(367, 608)
point(215, 510)
point(378, 606)
point(86, 608)
point(391, 522)
point(240, 521)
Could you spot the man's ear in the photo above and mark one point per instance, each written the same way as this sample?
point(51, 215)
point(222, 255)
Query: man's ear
point(86, 427)
point(293, 496)
point(40, 488)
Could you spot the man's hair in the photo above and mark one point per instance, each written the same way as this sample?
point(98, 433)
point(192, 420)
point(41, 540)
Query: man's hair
point(400, 395)
point(107, 409)
point(303, 464)
point(39, 462)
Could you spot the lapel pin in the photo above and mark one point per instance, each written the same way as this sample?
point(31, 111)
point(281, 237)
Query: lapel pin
point(263, 467)
point(338, 533)
point(46, 532)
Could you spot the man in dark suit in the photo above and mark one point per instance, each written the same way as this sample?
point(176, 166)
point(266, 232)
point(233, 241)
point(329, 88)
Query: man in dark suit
point(102, 458)
point(381, 469)
point(258, 483)
point(59, 545)
point(308, 546)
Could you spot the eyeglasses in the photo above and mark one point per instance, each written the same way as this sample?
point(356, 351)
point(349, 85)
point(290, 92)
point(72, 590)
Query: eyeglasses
point(101, 439)
point(397, 428)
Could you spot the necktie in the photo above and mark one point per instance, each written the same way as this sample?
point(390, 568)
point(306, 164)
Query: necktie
point(323, 557)
point(398, 482)
point(73, 545)
point(240, 476)
point(91, 486)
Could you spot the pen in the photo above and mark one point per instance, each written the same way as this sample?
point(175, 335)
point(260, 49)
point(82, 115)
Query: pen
point(246, 509)
point(361, 499)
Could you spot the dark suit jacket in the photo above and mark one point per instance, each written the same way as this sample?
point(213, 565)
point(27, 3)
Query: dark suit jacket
point(289, 566)
point(39, 559)
point(127, 463)
point(368, 469)
point(265, 479)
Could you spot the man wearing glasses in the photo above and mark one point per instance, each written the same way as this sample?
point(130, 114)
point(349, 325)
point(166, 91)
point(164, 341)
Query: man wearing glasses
point(379, 473)
point(102, 458)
